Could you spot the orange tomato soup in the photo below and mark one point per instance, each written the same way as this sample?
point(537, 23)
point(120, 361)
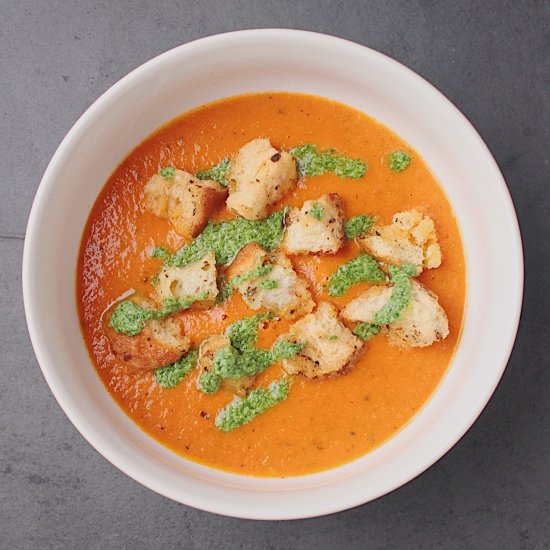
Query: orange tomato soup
point(323, 423)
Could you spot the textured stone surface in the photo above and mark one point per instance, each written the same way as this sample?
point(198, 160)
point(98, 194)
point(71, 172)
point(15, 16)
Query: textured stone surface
point(492, 60)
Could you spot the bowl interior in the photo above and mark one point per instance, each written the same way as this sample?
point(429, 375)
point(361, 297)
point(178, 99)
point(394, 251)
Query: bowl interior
point(276, 60)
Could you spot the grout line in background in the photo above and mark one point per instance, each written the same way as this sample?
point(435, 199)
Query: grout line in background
point(14, 236)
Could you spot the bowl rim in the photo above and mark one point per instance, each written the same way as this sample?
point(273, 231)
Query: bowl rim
point(79, 421)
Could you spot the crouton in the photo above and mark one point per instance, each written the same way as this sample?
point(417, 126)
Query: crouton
point(195, 279)
point(317, 227)
point(269, 281)
point(207, 351)
point(422, 323)
point(249, 258)
point(184, 200)
point(192, 202)
point(259, 176)
point(157, 193)
point(364, 308)
point(330, 347)
point(160, 343)
point(410, 238)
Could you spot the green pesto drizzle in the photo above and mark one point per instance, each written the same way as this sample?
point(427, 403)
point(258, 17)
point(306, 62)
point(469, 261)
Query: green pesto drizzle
point(210, 382)
point(243, 333)
point(362, 268)
point(227, 289)
point(316, 211)
point(268, 284)
point(171, 375)
point(400, 296)
point(160, 252)
point(225, 292)
point(241, 358)
point(255, 273)
point(168, 172)
point(231, 363)
point(366, 331)
point(129, 318)
point(398, 160)
point(173, 305)
point(241, 411)
point(283, 349)
point(392, 309)
point(358, 226)
point(227, 237)
point(217, 173)
point(312, 163)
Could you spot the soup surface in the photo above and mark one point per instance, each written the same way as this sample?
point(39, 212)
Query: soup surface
point(323, 423)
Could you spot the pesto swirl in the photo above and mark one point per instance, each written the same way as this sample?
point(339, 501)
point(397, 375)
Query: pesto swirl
point(241, 411)
point(217, 173)
point(129, 318)
point(392, 309)
point(171, 375)
point(228, 237)
point(362, 268)
point(313, 163)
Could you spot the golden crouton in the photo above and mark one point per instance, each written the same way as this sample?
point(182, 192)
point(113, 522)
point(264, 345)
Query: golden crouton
point(195, 279)
point(207, 351)
point(157, 193)
point(186, 201)
point(330, 347)
point(410, 238)
point(269, 281)
point(317, 227)
point(364, 308)
point(192, 202)
point(160, 343)
point(422, 323)
point(259, 176)
point(249, 257)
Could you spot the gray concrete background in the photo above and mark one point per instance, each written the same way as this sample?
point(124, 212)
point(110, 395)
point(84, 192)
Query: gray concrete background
point(492, 59)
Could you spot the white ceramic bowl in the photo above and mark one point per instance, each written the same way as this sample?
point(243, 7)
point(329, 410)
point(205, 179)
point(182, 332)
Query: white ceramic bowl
point(284, 60)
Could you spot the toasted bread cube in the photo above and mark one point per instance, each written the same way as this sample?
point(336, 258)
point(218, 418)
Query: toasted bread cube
point(422, 323)
point(317, 227)
point(195, 279)
point(208, 349)
point(392, 249)
point(207, 352)
point(160, 343)
point(191, 203)
point(249, 258)
point(364, 308)
point(157, 194)
point(259, 176)
point(184, 200)
point(280, 290)
point(330, 347)
point(410, 238)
